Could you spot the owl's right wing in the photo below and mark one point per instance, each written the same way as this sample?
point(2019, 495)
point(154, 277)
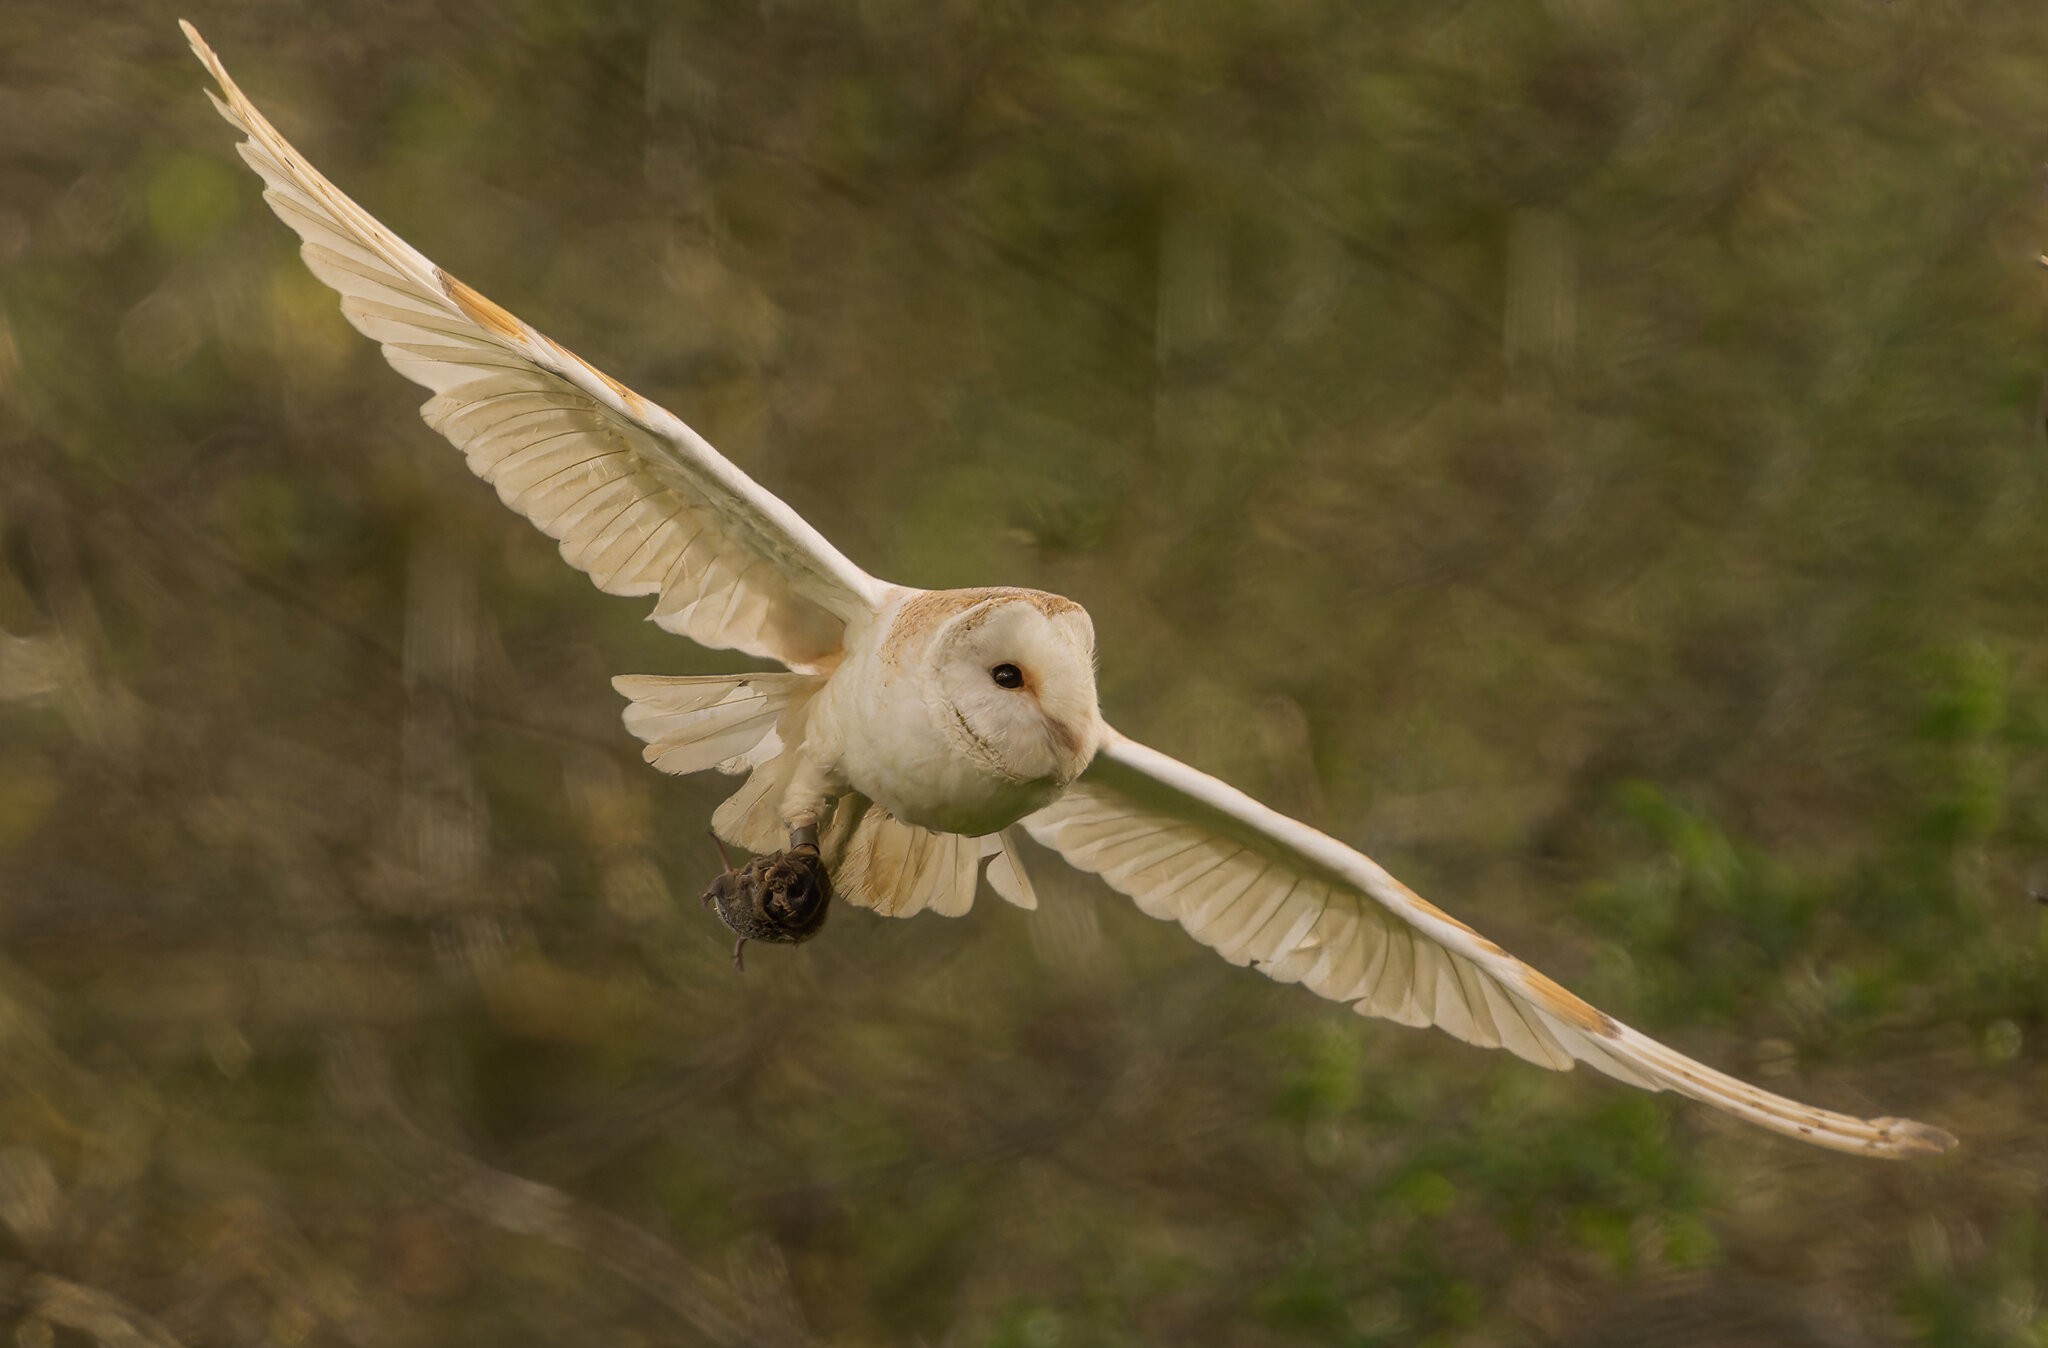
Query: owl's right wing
point(637, 499)
point(1301, 907)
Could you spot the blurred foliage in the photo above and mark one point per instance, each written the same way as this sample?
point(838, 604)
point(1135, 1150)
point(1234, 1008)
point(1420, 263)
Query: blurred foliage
point(1587, 453)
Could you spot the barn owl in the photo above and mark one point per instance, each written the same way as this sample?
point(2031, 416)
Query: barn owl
point(913, 736)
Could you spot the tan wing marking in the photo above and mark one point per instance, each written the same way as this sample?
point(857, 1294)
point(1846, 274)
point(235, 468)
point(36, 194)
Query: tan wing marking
point(481, 309)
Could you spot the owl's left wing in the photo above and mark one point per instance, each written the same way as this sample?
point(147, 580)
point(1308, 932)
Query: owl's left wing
point(1266, 890)
point(637, 500)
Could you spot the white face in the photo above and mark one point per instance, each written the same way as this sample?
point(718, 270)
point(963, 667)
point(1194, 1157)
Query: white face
point(1019, 682)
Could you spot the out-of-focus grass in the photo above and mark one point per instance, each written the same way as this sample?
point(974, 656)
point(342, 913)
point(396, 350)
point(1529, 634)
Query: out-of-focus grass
point(1587, 454)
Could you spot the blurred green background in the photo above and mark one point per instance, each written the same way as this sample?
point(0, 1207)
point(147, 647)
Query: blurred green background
point(1588, 454)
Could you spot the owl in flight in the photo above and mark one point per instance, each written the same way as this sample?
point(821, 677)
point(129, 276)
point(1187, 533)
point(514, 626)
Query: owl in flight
point(916, 734)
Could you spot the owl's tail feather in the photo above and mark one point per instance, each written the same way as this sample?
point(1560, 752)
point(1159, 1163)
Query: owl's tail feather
point(900, 870)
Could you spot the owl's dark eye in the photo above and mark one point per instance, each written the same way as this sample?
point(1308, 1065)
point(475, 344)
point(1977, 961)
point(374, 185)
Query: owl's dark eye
point(1007, 676)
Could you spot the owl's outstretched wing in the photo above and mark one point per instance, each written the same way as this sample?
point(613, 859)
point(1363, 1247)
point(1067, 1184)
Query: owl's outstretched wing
point(1266, 890)
point(637, 499)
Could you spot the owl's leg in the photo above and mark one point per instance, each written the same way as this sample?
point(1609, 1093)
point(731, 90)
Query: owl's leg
point(808, 799)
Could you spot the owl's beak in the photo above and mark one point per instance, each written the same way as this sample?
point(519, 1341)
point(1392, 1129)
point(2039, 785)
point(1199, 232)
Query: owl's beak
point(1076, 745)
point(1069, 738)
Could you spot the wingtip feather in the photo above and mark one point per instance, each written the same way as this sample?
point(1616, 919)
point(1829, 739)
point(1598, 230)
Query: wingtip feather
point(204, 53)
point(1911, 1138)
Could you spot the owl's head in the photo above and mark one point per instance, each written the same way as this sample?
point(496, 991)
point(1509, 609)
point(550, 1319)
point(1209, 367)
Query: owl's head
point(1014, 674)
